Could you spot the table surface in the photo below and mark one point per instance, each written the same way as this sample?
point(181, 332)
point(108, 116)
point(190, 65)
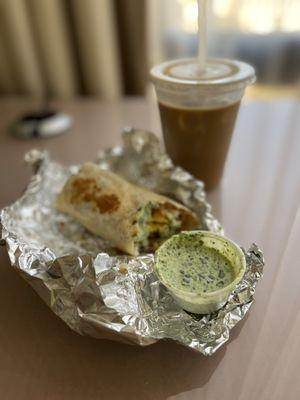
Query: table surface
point(258, 200)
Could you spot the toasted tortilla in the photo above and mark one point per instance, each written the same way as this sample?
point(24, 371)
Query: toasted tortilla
point(118, 211)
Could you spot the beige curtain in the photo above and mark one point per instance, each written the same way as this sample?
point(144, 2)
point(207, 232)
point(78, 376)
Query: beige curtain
point(131, 18)
point(64, 48)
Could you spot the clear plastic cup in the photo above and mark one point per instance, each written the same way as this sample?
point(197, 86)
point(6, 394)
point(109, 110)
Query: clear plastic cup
point(198, 111)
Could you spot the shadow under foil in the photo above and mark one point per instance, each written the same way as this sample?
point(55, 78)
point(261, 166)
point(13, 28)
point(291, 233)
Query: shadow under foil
point(187, 370)
point(182, 370)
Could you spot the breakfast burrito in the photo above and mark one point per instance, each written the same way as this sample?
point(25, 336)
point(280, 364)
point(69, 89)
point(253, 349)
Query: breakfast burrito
point(132, 218)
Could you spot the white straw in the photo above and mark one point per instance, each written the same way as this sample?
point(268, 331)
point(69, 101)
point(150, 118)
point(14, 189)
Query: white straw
point(202, 34)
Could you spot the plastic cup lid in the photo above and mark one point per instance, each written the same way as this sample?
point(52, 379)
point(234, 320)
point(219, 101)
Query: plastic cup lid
point(218, 72)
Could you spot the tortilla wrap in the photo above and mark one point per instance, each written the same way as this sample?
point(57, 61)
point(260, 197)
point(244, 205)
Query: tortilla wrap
point(134, 219)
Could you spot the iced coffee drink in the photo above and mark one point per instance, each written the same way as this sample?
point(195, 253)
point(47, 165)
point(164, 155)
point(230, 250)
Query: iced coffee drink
point(198, 111)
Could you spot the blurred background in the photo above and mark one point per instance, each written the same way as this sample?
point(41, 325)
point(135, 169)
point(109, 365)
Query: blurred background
point(104, 48)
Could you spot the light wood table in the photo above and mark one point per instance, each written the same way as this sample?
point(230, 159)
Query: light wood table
point(258, 200)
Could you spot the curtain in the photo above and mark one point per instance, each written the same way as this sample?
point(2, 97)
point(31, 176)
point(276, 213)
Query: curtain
point(66, 48)
point(131, 17)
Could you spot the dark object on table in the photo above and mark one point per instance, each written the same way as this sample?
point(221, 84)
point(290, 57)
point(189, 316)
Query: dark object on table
point(41, 124)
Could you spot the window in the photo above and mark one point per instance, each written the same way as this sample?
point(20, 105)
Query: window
point(265, 33)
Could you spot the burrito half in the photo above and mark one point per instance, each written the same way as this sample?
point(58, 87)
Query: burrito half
point(134, 219)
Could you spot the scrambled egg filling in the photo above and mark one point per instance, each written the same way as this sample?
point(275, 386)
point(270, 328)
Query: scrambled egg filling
point(154, 224)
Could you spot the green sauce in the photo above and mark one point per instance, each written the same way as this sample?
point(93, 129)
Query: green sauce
point(194, 267)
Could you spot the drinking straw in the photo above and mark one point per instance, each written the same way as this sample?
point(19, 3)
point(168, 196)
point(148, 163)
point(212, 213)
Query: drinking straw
point(201, 34)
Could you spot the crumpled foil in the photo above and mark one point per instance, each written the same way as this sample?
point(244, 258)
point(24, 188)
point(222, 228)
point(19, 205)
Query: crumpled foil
point(87, 284)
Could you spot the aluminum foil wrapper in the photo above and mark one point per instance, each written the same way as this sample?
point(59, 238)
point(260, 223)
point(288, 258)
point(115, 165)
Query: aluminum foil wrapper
point(87, 284)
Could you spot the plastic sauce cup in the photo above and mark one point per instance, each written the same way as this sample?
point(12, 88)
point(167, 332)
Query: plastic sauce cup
point(202, 302)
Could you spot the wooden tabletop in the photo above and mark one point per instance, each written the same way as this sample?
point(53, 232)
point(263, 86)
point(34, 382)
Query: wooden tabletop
point(258, 200)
